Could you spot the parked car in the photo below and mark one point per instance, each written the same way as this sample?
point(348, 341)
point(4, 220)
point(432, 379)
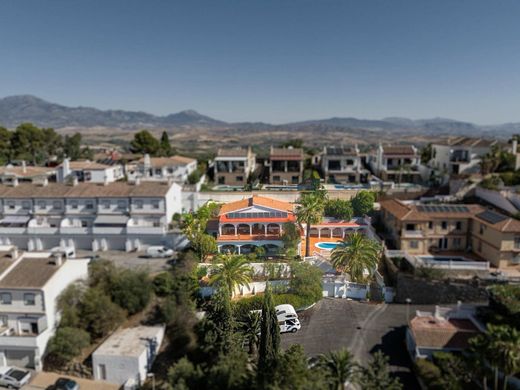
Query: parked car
point(64, 384)
point(292, 325)
point(14, 378)
point(285, 312)
point(159, 252)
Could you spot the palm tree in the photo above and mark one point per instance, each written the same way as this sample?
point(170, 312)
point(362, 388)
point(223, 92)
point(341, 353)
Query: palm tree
point(233, 271)
point(250, 329)
point(310, 211)
point(356, 254)
point(339, 367)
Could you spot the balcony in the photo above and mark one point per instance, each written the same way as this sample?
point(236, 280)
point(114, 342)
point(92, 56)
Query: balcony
point(43, 229)
point(144, 229)
point(75, 230)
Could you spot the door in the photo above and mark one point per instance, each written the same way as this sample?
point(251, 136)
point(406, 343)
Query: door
point(102, 371)
point(443, 243)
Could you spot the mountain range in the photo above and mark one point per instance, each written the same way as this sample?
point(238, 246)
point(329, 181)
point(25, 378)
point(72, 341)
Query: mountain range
point(27, 108)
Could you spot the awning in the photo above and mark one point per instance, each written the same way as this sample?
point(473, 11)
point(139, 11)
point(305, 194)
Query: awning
point(17, 219)
point(112, 220)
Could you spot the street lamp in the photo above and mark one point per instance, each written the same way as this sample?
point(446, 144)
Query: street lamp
point(408, 301)
point(151, 375)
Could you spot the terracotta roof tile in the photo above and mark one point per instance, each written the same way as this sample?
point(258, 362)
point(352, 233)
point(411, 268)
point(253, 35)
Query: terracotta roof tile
point(256, 200)
point(434, 333)
point(30, 171)
point(168, 161)
point(399, 150)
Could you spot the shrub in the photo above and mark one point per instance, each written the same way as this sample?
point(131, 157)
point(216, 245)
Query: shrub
point(131, 290)
point(163, 284)
point(99, 315)
point(66, 344)
point(429, 373)
point(339, 208)
point(306, 282)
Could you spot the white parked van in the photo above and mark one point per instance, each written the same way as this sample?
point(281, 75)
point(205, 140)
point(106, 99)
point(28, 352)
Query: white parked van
point(159, 252)
point(289, 326)
point(285, 312)
point(67, 251)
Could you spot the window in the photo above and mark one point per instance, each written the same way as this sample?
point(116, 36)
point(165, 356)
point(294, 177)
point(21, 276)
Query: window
point(517, 242)
point(240, 178)
point(276, 178)
point(482, 228)
point(430, 225)
point(410, 227)
point(5, 298)
point(457, 243)
point(42, 205)
point(458, 225)
point(158, 171)
point(444, 225)
point(170, 170)
point(155, 204)
point(106, 204)
point(11, 205)
point(138, 204)
point(84, 224)
point(56, 205)
point(74, 205)
point(29, 299)
point(26, 205)
point(121, 204)
point(414, 244)
point(89, 205)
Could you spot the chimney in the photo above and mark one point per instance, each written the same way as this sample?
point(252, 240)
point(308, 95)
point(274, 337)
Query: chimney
point(137, 181)
point(24, 167)
point(14, 253)
point(105, 181)
point(14, 182)
point(514, 146)
point(44, 182)
point(75, 181)
point(57, 259)
point(66, 167)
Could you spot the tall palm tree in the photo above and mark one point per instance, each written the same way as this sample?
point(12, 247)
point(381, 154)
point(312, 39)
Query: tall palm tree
point(233, 271)
point(339, 367)
point(310, 211)
point(356, 254)
point(250, 329)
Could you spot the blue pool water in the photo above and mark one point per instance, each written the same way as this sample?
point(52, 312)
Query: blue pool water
point(327, 245)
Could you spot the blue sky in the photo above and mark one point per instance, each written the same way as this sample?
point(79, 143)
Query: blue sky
point(268, 60)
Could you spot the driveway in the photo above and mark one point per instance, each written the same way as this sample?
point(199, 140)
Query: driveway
point(362, 328)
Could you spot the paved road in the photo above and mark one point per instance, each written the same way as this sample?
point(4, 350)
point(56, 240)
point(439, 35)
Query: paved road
point(363, 328)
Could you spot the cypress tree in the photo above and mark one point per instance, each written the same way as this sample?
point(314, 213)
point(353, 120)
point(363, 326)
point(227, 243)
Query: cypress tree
point(166, 148)
point(269, 340)
point(221, 314)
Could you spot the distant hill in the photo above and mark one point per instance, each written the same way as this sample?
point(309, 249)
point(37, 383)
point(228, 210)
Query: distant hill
point(27, 108)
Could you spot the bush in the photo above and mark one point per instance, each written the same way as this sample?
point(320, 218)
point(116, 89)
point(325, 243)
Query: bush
point(99, 315)
point(491, 183)
point(504, 302)
point(306, 282)
point(339, 208)
point(429, 373)
point(363, 203)
point(163, 284)
point(66, 344)
point(131, 290)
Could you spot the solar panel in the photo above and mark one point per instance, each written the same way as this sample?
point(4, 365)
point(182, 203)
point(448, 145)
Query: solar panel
point(442, 209)
point(491, 217)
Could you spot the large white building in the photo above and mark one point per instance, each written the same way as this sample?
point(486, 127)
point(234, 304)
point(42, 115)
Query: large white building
point(399, 163)
point(341, 164)
point(30, 284)
point(114, 216)
point(460, 155)
point(89, 172)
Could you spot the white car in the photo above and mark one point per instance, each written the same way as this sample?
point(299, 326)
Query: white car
point(159, 252)
point(292, 325)
point(14, 378)
point(285, 312)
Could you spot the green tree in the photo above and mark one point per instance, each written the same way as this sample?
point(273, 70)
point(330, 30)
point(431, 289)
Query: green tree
point(194, 228)
point(339, 367)
point(426, 153)
point(102, 274)
point(250, 329)
point(339, 209)
point(221, 314)
point(293, 372)
point(27, 142)
point(52, 142)
point(291, 236)
point(306, 281)
point(68, 303)
point(309, 212)
point(164, 284)
point(194, 177)
point(66, 344)
point(233, 271)
point(6, 151)
point(356, 255)
point(205, 245)
point(131, 290)
point(145, 143)
point(269, 340)
point(99, 315)
point(165, 146)
point(184, 375)
point(377, 375)
point(363, 203)
point(72, 146)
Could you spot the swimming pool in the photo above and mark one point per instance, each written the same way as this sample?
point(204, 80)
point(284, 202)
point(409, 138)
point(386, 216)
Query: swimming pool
point(327, 245)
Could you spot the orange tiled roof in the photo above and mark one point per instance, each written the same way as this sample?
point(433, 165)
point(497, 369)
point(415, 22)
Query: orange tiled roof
point(410, 212)
point(435, 333)
point(258, 201)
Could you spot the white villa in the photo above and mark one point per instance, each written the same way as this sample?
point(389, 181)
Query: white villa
point(175, 168)
point(30, 284)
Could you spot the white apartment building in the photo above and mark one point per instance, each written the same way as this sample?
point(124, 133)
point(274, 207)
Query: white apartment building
point(175, 168)
point(24, 172)
point(88, 172)
point(460, 155)
point(97, 217)
point(30, 284)
point(400, 163)
point(342, 164)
